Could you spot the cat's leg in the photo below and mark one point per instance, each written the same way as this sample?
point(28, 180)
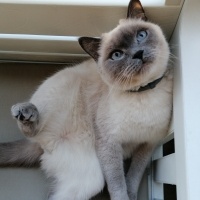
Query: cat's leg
point(139, 162)
point(27, 117)
point(23, 152)
point(111, 159)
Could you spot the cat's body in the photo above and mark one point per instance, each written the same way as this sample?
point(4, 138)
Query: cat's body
point(68, 137)
point(88, 118)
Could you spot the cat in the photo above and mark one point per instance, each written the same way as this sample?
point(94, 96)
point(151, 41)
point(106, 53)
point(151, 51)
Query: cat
point(83, 121)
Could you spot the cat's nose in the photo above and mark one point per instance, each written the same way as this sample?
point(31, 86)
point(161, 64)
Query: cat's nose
point(138, 55)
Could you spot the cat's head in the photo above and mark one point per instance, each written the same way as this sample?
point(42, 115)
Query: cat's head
point(131, 55)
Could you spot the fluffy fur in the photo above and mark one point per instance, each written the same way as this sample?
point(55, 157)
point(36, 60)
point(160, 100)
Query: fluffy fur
point(88, 118)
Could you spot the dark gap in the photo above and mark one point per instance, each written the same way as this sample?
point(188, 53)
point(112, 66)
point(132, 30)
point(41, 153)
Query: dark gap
point(168, 148)
point(169, 192)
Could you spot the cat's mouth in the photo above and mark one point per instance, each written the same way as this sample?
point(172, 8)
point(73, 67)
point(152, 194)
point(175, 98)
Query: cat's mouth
point(140, 65)
point(142, 57)
point(138, 58)
point(141, 61)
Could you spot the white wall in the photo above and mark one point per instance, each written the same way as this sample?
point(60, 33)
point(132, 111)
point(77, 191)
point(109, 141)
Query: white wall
point(186, 45)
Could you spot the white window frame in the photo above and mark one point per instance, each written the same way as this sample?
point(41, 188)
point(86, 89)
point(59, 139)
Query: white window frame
point(47, 30)
point(182, 167)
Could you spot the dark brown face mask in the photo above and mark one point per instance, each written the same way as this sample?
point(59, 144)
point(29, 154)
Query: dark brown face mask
point(91, 45)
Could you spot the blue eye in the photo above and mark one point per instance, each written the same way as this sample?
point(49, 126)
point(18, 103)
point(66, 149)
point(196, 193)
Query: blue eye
point(117, 55)
point(141, 35)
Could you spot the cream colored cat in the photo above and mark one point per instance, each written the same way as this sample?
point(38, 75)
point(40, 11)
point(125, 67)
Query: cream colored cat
point(84, 120)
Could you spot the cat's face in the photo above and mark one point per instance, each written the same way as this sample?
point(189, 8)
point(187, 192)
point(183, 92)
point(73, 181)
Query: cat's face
point(133, 54)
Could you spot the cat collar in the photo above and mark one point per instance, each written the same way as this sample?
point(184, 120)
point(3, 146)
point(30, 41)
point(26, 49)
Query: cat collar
point(150, 85)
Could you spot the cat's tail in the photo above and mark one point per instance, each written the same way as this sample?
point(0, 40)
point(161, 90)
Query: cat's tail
point(20, 153)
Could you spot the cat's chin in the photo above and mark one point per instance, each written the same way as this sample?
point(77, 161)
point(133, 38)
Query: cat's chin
point(138, 79)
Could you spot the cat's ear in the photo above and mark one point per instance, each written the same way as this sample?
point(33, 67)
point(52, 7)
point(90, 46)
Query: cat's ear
point(135, 10)
point(91, 46)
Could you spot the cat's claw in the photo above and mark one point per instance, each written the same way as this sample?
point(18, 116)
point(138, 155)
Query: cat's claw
point(25, 112)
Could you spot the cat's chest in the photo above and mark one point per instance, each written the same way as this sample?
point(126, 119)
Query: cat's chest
point(138, 117)
point(137, 112)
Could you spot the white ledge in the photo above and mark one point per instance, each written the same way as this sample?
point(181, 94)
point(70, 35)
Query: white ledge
point(85, 2)
point(39, 37)
point(165, 169)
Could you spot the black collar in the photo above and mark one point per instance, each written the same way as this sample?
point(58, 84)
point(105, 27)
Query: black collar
point(150, 85)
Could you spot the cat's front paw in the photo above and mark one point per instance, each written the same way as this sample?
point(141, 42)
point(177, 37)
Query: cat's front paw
point(27, 117)
point(25, 112)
